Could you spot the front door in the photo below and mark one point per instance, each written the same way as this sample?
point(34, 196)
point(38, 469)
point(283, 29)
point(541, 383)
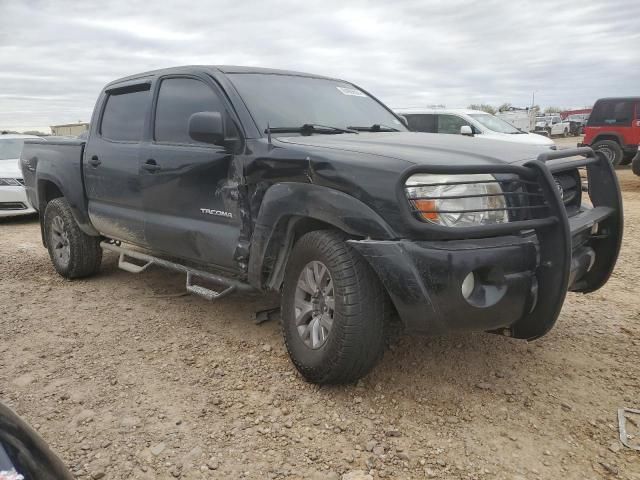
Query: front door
point(190, 204)
point(111, 163)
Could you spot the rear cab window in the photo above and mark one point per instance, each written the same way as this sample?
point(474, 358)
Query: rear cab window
point(124, 113)
point(612, 113)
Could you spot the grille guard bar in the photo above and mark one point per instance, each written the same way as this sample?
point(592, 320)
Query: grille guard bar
point(554, 232)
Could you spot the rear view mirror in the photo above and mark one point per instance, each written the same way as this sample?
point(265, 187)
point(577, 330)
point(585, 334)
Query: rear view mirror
point(466, 130)
point(23, 454)
point(207, 127)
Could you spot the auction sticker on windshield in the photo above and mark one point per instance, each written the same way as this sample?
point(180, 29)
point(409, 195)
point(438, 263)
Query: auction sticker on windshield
point(351, 91)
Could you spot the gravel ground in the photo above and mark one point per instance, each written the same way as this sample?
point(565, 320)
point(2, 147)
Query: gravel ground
point(125, 377)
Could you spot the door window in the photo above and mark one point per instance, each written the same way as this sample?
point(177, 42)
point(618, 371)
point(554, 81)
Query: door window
point(612, 112)
point(124, 115)
point(179, 98)
point(450, 124)
point(421, 122)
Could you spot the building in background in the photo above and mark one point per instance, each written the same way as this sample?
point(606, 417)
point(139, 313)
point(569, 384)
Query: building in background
point(69, 129)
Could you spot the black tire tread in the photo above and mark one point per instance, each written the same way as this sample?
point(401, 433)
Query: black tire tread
point(86, 253)
point(366, 309)
point(613, 145)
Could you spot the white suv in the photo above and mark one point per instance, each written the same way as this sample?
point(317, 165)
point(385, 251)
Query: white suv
point(469, 122)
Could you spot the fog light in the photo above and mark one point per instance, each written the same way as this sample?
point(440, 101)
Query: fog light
point(468, 284)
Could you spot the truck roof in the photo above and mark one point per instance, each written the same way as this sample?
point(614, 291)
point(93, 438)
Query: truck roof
point(226, 69)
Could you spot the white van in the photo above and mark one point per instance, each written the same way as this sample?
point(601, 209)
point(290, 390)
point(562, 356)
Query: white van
point(469, 122)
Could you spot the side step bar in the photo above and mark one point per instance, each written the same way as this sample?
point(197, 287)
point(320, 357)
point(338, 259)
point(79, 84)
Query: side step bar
point(230, 285)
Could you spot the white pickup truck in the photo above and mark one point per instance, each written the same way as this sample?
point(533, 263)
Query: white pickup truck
point(552, 125)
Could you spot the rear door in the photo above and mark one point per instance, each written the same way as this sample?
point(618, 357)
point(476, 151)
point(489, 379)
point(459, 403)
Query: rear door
point(111, 169)
point(190, 203)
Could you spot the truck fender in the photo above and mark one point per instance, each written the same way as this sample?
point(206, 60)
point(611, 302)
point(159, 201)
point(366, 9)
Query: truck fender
point(285, 207)
point(76, 200)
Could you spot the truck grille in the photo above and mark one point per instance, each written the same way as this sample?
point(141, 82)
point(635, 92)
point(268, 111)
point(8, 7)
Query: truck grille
point(569, 184)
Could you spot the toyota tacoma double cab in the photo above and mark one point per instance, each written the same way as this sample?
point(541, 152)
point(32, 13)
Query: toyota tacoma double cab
point(613, 129)
point(248, 179)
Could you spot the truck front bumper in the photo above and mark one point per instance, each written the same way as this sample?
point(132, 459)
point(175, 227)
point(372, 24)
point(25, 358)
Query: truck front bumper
point(514, 283)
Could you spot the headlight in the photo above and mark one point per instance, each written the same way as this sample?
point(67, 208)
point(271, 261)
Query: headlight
point(9, 182)
point(457, 200)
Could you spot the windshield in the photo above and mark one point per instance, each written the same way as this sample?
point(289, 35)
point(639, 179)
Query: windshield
point(10, 148)
point(291, 101)
point(494, 123)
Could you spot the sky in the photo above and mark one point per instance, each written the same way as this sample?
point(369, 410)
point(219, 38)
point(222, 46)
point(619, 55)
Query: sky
point(56, 55)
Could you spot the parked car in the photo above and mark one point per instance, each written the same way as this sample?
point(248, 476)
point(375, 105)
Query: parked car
point(13, 198)
point(552, 125)
point(577, 123)
point(613, 129)
point(266, 180)
point(473, 122)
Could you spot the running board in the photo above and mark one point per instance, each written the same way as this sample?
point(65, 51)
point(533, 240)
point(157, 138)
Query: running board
point(230, 285)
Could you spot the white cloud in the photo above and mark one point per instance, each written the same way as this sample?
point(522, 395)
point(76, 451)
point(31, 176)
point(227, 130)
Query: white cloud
point(55, 56)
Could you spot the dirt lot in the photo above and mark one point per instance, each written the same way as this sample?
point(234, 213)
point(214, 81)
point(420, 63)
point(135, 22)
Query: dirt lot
point(125, 378)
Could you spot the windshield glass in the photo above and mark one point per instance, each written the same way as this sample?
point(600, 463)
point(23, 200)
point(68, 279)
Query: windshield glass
point(10, 148)
point(292, 101)
point(494, 123)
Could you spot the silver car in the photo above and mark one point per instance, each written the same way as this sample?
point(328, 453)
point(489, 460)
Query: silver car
point(13, 197)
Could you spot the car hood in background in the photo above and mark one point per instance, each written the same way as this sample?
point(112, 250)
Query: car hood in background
point(423, 148)
point(10, 168)
point(521, 138)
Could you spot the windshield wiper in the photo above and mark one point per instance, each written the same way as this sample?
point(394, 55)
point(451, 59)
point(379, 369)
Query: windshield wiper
point(310, 128)
point(376, 127)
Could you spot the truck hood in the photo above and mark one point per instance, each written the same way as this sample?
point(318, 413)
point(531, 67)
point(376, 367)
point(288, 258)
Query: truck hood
point(10, 168)
point(424, 148)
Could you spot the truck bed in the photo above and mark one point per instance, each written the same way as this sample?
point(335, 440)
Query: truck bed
point(50, 165)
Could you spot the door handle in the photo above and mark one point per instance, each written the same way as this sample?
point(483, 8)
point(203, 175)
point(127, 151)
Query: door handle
point(151, 166)
point(95, 161)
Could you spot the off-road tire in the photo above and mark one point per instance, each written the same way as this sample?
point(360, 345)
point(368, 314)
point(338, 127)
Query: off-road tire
point(610, 149)
point(362, 308)
point(627, 158)
point(635, 165)
point(84, 252)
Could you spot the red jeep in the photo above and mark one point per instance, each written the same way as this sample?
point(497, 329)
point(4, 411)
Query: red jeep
point(614, 129)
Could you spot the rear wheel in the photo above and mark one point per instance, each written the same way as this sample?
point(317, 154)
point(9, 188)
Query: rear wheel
point(635, 165)
point(610, 149)
point(73, 253)
point(627, 158)
point(334, 309)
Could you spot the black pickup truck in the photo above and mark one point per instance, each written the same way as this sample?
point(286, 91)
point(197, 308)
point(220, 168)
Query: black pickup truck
point(250, 179)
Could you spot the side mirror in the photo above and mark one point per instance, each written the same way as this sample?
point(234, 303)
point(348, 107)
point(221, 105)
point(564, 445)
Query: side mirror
point(404, 120)
point(207, 127)
point(466, 130)
point(23, 453)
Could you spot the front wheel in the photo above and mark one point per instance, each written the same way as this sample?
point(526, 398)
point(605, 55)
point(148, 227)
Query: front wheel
point(334, 309)
point(73, 253)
